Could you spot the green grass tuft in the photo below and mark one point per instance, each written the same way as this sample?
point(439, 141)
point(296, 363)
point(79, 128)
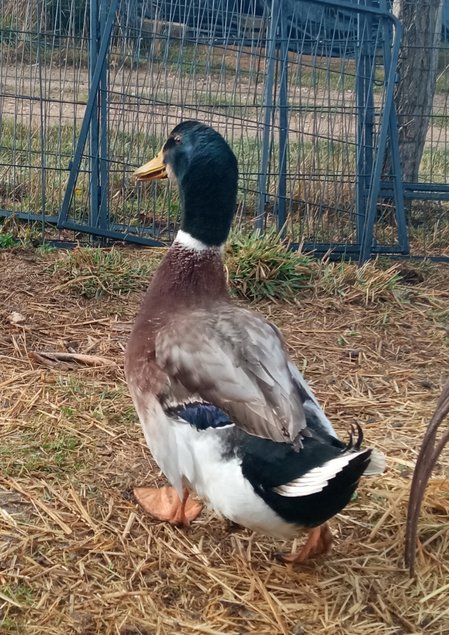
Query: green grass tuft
point(17, 233)
point(43, 457)
point(261, 267)
point(93, 272)
point(7, 241)
point(367, 285)
point(19, 592)
point(46, 248)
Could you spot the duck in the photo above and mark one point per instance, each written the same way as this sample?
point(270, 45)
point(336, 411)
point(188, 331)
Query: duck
point(226, 414)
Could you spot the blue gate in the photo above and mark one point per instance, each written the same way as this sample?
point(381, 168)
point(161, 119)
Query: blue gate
point(310, 132)
point(303, 91)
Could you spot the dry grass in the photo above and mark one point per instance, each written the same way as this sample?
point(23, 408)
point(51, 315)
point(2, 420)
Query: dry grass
point(78, 557)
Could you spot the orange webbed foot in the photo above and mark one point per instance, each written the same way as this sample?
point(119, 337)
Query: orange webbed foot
point(164, 504)
point(319, 542)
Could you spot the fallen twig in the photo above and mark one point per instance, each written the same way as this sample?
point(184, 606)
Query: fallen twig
point(72, 360)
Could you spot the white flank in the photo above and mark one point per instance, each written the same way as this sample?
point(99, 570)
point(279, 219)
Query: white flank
point(192, 457)
point(189, 242)
point(317, 479)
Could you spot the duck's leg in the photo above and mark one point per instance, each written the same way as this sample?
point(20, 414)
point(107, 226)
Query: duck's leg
point(318, 542)
point(188, 510)
point(164, 504)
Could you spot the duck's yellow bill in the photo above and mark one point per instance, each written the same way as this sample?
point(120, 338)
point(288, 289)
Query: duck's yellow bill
point(154, 169)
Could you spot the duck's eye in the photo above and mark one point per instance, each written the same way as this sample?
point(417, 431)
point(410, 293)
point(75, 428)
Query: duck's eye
point(177, 139)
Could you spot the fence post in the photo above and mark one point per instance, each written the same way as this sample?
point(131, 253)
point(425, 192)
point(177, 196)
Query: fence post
point(268, 101)
point(74, 167)
point(283, 121)
point(94, 195)
point(103, 218)
point(398, 186)
point(371, 206)
point(365, 119)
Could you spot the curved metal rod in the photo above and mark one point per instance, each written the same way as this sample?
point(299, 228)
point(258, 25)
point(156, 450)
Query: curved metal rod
point(427, 457)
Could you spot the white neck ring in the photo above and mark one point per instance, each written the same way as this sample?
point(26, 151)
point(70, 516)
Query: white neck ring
point(189, 242)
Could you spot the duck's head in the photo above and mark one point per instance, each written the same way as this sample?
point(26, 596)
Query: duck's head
point(205, 168)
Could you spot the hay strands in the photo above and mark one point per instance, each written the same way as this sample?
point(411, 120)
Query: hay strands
point(427, 457)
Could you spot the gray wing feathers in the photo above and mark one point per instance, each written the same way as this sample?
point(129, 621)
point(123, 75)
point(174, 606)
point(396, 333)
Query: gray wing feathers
point(236, 360)
point(310, 402)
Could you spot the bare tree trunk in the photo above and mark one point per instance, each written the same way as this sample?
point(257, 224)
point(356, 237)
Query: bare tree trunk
point(417, 70)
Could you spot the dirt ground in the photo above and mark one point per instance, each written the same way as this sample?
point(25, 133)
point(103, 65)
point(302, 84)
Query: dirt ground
point(77, 556)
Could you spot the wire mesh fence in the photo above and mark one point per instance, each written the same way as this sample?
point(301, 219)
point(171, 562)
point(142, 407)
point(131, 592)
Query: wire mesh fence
point(292, 91)
point(423, 121)
point(299, 89)
point(43, 91)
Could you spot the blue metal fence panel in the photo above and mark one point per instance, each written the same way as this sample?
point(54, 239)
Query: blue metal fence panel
point(296, 100)
point(302, 90)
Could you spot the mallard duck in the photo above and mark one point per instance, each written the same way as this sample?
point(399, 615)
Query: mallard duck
point(225, 412)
